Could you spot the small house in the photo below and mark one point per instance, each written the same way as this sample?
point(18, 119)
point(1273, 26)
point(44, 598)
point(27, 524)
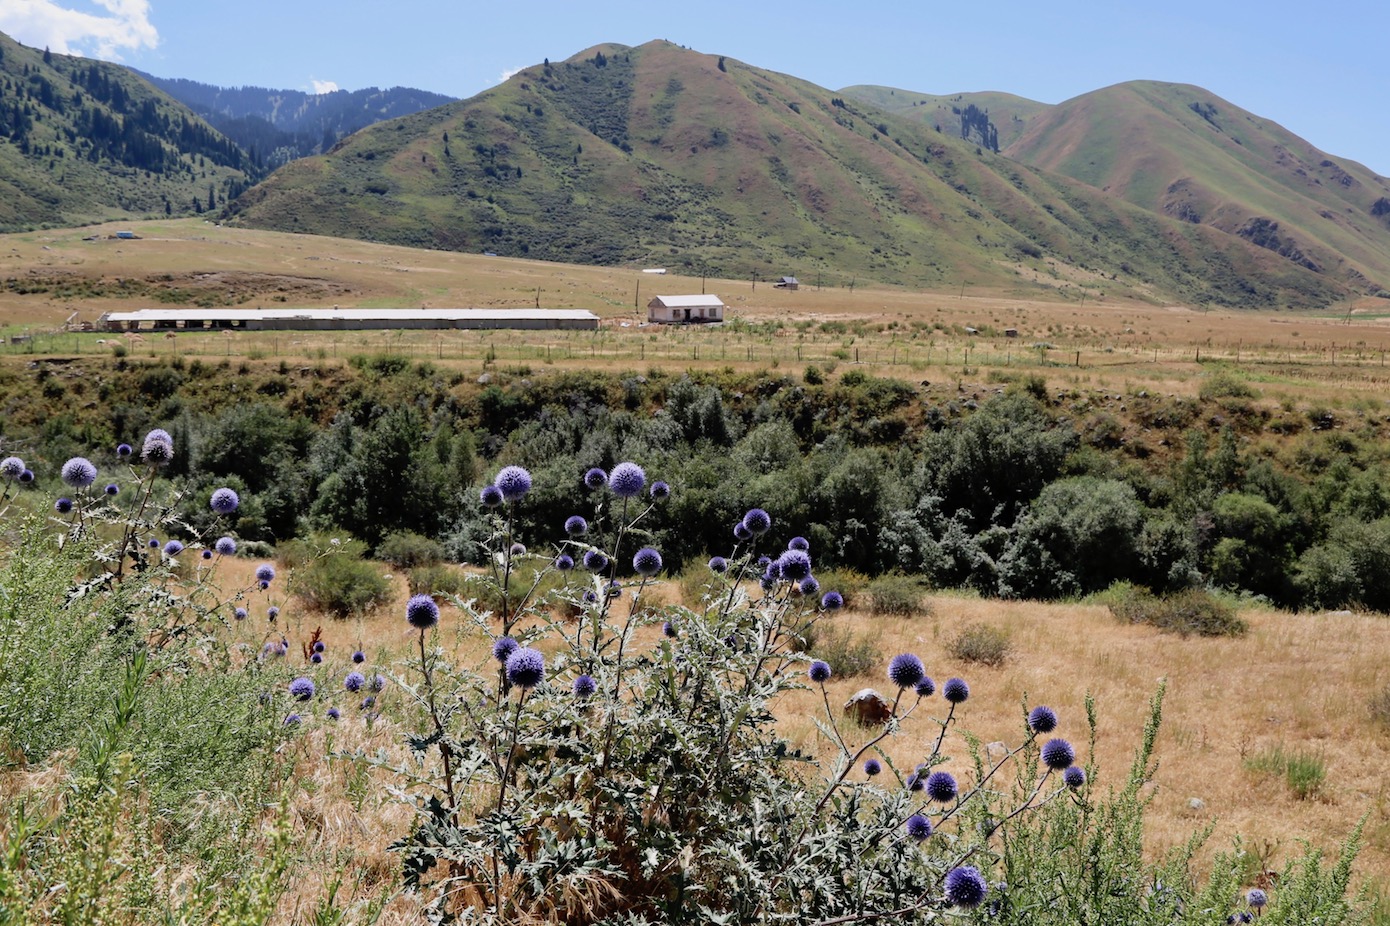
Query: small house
point(127, 235)
point(669, 310)
point(1010, 332)
point(791, 283)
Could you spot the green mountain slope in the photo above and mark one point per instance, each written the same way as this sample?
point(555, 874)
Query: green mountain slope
point(1180, 151)
point(659, 155)
point(1008, 114)
point(86, 141)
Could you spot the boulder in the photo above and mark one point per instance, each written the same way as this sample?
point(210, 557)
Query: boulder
point(867, 708)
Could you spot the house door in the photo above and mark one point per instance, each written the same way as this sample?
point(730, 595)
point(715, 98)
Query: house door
point(687, 315)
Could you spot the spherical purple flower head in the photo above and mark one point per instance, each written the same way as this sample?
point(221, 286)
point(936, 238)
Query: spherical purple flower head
point(368, 703)
point(292, 720)
point(1244, 916)
point(302, 688)
point(224, 501)
point(27, 476)
point(955, 690)
point(1057, 754)
point(272, 612)
point(11, 467)
point(319, 646)
point(795, 565)
point(377, 683)
point(915, 783)
point(173, 548)
point(575, 525)
point(594, 561)
point(564, 562)
point(772, 571)
point(1074, 777)
point(741, 532)
point(517, 549)
point(595, 478)
point(316, 658)
point(226, 546)
point(584, 686)
point(906, 670)
point(819, 672)
point(809, 587)
point(614, 590)
point(333, 713)
point(64, 505)
point(832, 601)
point(965, 886)
point(626, 480)
point(490, 496)
point(158, 447)
point(207, 554)
point(925, 688)
point(647, 562)
point(281, 648)
point(757, 521)
point(768, 584)
point(763, 562)
point(504, 647)
point(941, 786)
point(1256, 898)
point(513, 482)
point(918, 827)
point(872, 767)
point(265, 573)
point(154, 543)
point(660, 491)
point(112, 489)
point(264, 585)
point(79, 472)
point(799, 543)
point(718, 565)
point(1042, 719)
point(124, 450)
point(359, 657)
point(526, 668)
point(668, 629)
point(239, 614)
point(354, 681)
point(591, 597)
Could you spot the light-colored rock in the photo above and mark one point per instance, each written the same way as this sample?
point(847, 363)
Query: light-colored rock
point(868, 708)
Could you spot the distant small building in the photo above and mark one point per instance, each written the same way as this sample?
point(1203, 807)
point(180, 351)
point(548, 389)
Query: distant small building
point(788, 283)
point(127, 235)
point(669, 310)
point(336, 319)
point(661, 270)
point(1010, 332)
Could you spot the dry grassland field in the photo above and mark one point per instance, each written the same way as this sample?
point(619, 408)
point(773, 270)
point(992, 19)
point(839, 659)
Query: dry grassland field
point(1297, 682)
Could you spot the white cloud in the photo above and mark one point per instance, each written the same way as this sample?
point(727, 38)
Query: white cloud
point(509, 73)
point(125, 26)
point(323, 86)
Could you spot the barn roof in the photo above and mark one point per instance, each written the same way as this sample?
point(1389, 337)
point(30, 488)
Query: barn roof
point(236, 315)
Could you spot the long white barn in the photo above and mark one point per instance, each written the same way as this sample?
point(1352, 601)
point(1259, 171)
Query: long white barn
point(344, 319)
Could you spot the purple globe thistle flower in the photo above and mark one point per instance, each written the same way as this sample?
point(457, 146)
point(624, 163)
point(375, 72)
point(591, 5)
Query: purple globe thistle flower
point(966, 887)
point(207, 554)
point(526, 668)
point(359, 657)
point(354, 681)
point(767, 583)
point(832, 601)
point(224, 501)
point(1074, 777)
point(1256, 898)
point(564, 562)
point(794, 565)
point(316, 658)
point(265, 573)
point(1057, 754)
point(490, 496)
point(955, 690)
point(302, 688)
point(915, 782)
point(333, 713)
point(503, 647)
point(11, 467)
point(1244, 916)
point(27, 476)
point(614, 590)
point(718, 565)
point(590, 597)
point(239, 614)
point(64, 505)
point(741, 532)
point(584, 686)
point(124, 450)
point(79, 472)
point(906, 670)
point(263, 584)
point(668, 629)
point(772, 571)
point(799, 543)
point(272, 612)
point(517, 549)
point(367, 704)
point(809, 587)
point(660, 491)
point(377, 683)
point(154, 543)
point(757, 521)
point(173, 548)
point(575, 525)
point(226, 546)
point(112, 489)
point(158, 447)
point(872, 767)
point(595, 478)
point(626, 480)
point(292, 720)
point(918, 827)
point(421, 612)
point(941, 786)
point(280, 648)
point(763, 562)
point(319, 646)
point(513, 482)
point(1042, 719)
point(594, 561)
point(819, 672)
point(925, 688)
point(647, 562)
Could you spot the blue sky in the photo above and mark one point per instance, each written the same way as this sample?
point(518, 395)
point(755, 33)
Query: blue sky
point(1317, 69)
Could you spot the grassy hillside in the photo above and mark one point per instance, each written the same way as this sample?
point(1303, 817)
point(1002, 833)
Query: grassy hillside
point(85, 141)
point(1180, 151)
point(1009, 114)
point(660, 155)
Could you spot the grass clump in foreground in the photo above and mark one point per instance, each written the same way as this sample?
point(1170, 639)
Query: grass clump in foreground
point(1191, 611)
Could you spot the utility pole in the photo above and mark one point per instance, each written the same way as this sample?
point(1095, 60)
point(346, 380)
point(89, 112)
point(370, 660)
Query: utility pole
point(538, 297)
point(637, 294)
